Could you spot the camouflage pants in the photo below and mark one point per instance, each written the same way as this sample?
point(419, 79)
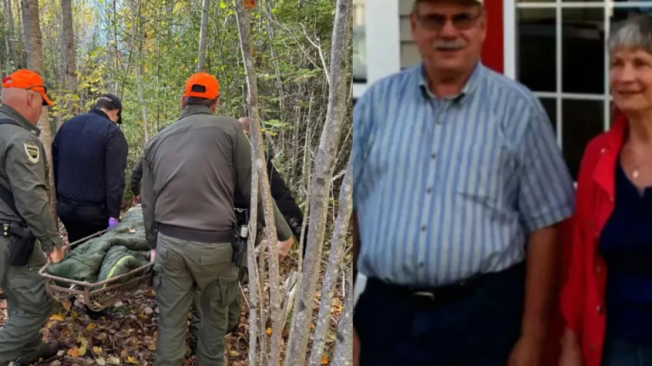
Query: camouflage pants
point(185, 268)
point(28, 305)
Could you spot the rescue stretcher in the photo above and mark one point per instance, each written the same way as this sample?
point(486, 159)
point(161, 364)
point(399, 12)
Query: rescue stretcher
point(100, 295)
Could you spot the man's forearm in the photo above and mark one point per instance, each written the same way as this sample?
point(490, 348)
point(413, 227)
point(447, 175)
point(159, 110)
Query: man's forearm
point(541, 281)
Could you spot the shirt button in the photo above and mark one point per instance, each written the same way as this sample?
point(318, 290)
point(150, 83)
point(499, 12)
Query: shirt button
point(421, 264)
point(602, 150)
point(423, 228)
point(598, 269)
point(593, 347)
point(429, 190)
point(599, 309)
point(433, 155)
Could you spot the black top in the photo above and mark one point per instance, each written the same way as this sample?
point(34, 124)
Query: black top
point(282, 196)
point(89, 154)
point(626, 245)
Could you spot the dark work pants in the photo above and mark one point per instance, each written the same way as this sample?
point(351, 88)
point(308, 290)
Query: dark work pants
point(81, 220)
point(477, 328)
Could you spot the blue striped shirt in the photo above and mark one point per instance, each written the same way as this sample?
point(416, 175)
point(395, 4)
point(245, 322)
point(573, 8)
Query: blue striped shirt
point(445, 189)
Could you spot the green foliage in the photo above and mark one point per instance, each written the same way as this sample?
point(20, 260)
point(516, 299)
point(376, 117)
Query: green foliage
point(161, 37)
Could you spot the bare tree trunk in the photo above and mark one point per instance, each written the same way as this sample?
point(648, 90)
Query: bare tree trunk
point(70, 74)
point(203, 36)
point(137, 68)
point(36, 62)
point(343, 353)
point(256, 330)
point(244, 28)
point(321, 183)
point(338, 242)
point(9, 15)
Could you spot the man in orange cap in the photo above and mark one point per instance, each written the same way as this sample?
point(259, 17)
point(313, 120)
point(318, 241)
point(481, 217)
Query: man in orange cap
point(26, 219)
point(190, 173)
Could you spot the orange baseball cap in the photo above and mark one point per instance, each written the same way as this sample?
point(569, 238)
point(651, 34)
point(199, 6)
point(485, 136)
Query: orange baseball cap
point(29, 80)
point(202, 85)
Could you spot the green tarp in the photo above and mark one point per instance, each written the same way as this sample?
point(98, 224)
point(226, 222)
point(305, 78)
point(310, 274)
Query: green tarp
point(115, 252)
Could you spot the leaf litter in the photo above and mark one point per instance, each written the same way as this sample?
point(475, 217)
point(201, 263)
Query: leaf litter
point(126, 333)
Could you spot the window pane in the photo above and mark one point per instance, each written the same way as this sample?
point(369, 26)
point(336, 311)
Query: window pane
point(582, 121)
point(620, 14)
point(583, 39)
point(536, 49)
point(550, 105)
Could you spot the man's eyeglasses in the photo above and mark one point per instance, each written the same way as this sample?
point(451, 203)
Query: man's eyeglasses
point(436, 22)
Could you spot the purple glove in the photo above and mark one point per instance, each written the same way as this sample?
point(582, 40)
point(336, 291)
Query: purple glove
point(113, 222)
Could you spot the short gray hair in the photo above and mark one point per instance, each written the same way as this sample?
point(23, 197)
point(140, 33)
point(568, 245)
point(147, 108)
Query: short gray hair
point(633, 33)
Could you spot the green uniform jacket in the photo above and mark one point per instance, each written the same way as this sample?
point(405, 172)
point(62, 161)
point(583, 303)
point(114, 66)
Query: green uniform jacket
point(24, 171)
point(191, 170)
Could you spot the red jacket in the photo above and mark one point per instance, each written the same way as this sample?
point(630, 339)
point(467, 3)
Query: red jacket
point(583, 294)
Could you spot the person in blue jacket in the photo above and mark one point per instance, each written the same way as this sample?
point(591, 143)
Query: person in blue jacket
point(89, 155)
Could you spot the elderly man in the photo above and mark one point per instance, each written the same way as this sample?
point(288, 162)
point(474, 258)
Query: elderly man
point(190, 173)
point(458, 182)
point(29, 228)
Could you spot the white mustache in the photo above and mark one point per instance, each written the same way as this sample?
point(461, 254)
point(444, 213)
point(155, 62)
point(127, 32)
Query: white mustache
point(455, 45)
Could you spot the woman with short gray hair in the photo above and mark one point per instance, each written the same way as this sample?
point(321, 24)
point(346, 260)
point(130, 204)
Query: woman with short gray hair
point(607, 296)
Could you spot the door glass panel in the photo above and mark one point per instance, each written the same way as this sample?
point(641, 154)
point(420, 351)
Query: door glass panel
point(550, 105)
point(535, 57)
point(582, 121)
point(583, 33)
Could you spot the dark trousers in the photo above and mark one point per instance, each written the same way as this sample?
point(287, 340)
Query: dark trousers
point(81, 219)
point(476, 324)
point(619, 352)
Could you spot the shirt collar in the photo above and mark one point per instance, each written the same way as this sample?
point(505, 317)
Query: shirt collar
point(469, 87)
point(13, 114)
point(100, 113)
point(195, 109)
point(604, 171)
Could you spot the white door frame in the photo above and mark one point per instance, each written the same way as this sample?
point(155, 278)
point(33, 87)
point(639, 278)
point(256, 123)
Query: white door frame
point(509, 38)
point(383, 42)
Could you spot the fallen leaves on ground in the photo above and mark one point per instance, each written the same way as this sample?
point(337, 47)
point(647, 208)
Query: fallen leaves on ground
point(126, 334)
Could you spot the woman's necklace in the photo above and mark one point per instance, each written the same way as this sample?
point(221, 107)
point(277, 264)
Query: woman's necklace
point(637, 165)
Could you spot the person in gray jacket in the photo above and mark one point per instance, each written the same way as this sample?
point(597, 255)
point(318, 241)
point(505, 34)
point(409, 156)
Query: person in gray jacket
point(190, 173)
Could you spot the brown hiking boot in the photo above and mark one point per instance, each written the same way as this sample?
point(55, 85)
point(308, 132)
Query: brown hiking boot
point(46, 351)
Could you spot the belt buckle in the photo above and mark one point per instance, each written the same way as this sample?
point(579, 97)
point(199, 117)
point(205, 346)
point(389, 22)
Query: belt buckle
point(425, 294)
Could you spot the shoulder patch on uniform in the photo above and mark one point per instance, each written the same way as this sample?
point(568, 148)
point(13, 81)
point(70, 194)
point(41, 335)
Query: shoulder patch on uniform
point(32, 151)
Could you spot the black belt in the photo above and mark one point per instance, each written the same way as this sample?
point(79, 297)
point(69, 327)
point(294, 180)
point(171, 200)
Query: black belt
point(98, 205)
point(434, 295)
point(202, 236)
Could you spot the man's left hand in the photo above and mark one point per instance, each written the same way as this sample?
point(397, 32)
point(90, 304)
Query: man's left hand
point(527, 352)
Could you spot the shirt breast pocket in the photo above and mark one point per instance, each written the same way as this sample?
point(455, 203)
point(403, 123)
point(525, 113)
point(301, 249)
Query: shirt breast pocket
point(485, 172)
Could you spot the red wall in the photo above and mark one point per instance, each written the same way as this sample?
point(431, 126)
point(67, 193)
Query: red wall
point(492, 54)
